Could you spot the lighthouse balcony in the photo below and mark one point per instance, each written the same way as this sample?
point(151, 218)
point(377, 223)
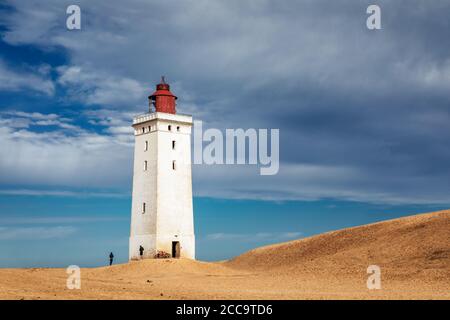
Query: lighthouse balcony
point(149, 116)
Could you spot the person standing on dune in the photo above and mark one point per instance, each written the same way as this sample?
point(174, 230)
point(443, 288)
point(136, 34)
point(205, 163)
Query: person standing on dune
point(111, 257)
point(141, 251)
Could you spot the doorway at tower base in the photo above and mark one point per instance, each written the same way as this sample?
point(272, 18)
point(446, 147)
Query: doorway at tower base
point(176, 246)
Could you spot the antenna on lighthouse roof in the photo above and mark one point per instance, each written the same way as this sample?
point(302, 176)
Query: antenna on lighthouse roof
point(163, 80)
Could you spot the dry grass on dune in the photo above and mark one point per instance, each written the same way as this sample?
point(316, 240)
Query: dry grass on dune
point(413, 254)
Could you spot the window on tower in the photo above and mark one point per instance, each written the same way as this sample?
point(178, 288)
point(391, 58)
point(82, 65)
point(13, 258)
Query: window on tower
point(173, 144)
point(178, 128)
point(174, 165)
point(145, 165)
point(143, 129)
point(143, 207)
point(146, 146)
point(169, 127)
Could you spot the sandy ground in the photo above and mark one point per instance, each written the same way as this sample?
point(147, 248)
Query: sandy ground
point(413, 254)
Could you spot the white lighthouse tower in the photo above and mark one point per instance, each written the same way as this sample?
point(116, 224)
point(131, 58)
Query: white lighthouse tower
point(161, 215)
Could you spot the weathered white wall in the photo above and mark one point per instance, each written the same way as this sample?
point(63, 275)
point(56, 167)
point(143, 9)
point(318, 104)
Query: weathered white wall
point(166, 192)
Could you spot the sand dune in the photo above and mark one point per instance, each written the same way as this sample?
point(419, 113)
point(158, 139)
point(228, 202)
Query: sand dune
point(413, 254)
point(418, 243)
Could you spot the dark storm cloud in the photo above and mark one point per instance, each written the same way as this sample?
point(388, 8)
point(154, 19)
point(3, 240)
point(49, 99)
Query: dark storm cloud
point(362, 114)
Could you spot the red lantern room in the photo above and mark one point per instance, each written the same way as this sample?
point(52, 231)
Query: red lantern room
point(162, 98)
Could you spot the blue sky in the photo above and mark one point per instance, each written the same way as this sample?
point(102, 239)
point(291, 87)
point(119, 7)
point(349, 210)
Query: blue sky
point(363, 118)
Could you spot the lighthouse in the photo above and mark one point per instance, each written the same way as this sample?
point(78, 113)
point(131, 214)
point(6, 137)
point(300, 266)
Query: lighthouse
point(162, 220)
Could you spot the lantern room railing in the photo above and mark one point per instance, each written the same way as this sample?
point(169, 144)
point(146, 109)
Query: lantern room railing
point(153, 115)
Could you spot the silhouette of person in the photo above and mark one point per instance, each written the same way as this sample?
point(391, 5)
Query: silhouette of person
point(111, 257)
point(141, 251)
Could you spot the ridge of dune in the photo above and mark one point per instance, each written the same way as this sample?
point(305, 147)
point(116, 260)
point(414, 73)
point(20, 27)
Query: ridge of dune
point(408, 245)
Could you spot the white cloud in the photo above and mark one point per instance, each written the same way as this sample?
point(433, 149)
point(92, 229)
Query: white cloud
point(61, 157)
point(20, 119)
point(117, 123)
point(15, 123)
point(35, 233)
point(93, 87)
point(11, 80)
point(32, 21)
point(32, 115)
point(62, 193)
point(307, 182)
point(13, 220)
